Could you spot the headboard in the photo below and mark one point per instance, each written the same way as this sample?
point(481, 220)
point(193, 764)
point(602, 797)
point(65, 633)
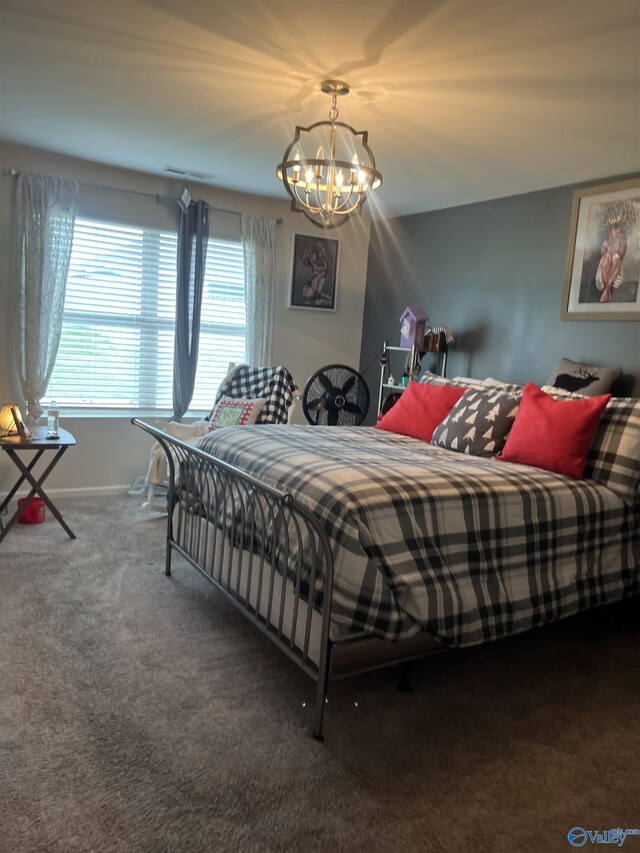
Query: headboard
point(627, 385)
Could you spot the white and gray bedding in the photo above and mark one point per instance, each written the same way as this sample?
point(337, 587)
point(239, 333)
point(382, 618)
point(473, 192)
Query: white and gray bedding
point(470, 549)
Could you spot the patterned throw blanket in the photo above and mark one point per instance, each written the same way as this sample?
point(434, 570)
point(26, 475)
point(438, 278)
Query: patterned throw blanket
point(471, 549)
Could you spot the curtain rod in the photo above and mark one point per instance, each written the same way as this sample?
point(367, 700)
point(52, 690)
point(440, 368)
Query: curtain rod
point(14, 174)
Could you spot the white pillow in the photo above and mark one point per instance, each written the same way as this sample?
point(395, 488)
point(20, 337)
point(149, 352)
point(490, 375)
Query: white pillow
point(558, 393)
point(235, 411)
point(467, 382)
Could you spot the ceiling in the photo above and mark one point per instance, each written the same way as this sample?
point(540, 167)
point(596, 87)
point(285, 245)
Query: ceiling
point(464, 100)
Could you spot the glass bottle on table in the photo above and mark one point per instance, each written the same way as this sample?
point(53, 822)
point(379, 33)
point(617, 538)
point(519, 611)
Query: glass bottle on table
point(53, 420)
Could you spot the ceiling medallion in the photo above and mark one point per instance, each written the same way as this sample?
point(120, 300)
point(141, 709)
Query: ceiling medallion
point(328, 190)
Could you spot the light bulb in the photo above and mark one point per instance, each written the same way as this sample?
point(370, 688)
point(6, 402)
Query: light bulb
point(353, 178)
point(339, 178)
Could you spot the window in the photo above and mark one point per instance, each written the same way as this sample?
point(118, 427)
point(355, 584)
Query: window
point(116, 348)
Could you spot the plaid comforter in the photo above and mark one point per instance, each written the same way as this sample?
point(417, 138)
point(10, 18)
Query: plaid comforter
point(470, 549)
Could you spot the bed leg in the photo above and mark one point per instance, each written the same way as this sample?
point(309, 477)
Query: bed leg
point(167, 556)
point(405, 677)
point(318, 713)
point(321, 694)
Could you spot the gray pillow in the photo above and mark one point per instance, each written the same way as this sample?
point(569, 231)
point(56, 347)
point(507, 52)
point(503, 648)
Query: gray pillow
point(583, 378)
point(479, 422)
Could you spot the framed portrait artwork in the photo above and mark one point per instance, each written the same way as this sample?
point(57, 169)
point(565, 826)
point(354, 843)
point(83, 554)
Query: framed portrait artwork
point(314, 273)
point(602, 279)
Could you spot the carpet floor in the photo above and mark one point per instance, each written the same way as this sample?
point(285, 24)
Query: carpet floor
point(143, 713)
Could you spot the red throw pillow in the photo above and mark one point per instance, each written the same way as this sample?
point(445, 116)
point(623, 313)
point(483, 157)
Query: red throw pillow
point(553, 434)
point(420, 409)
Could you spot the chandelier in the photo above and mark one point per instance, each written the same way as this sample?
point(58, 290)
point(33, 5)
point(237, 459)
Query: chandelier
point(328, 189)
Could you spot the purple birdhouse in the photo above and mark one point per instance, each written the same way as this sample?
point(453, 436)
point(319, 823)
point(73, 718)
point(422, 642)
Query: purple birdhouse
point(412, 324)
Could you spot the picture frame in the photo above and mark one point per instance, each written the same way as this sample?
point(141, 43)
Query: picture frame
point(21, 429)
point(314, 273)
point(602, 275)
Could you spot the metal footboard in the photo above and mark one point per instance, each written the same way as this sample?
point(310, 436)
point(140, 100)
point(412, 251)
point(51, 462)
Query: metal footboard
point(262, 549)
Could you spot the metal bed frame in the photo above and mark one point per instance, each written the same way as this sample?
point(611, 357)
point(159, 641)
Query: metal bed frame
point(248, 540)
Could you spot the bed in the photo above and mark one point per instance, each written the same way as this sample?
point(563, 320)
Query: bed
point(355, 547)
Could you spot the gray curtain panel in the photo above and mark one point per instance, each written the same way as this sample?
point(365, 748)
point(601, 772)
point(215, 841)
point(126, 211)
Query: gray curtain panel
point(259, 244)
point(193, 236)
point(45, 213)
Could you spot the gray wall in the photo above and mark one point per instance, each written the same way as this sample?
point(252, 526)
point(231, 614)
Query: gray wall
point(494, 273)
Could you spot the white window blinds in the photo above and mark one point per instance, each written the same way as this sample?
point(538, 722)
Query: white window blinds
point(116, 349)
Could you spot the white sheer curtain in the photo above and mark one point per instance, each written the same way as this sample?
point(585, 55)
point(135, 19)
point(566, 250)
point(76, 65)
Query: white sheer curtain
point(45, 213)
point(259, 243)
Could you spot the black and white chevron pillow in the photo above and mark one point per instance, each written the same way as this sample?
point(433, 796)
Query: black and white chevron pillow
point(479, 422)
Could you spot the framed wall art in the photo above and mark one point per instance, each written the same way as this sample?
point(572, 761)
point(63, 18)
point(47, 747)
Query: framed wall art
point(602, 279)
point(314, 273)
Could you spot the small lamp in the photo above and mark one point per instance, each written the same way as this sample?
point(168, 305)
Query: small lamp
point(11, 422)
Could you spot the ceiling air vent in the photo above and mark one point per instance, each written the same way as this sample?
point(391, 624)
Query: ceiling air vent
point(175, 172)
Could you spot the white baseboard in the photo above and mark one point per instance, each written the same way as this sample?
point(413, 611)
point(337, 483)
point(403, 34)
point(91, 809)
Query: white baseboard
point(83, 491)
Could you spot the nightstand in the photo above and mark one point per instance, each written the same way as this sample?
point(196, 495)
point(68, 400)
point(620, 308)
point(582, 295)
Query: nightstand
point(14, 446)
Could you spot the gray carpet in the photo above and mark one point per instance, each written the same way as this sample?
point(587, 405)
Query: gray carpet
point(140, 713)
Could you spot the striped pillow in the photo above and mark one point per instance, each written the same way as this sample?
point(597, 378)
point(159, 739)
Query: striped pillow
point(614, 458)
point(467, 382)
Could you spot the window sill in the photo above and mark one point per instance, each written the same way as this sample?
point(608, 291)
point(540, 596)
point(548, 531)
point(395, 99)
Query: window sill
point(125, 415)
